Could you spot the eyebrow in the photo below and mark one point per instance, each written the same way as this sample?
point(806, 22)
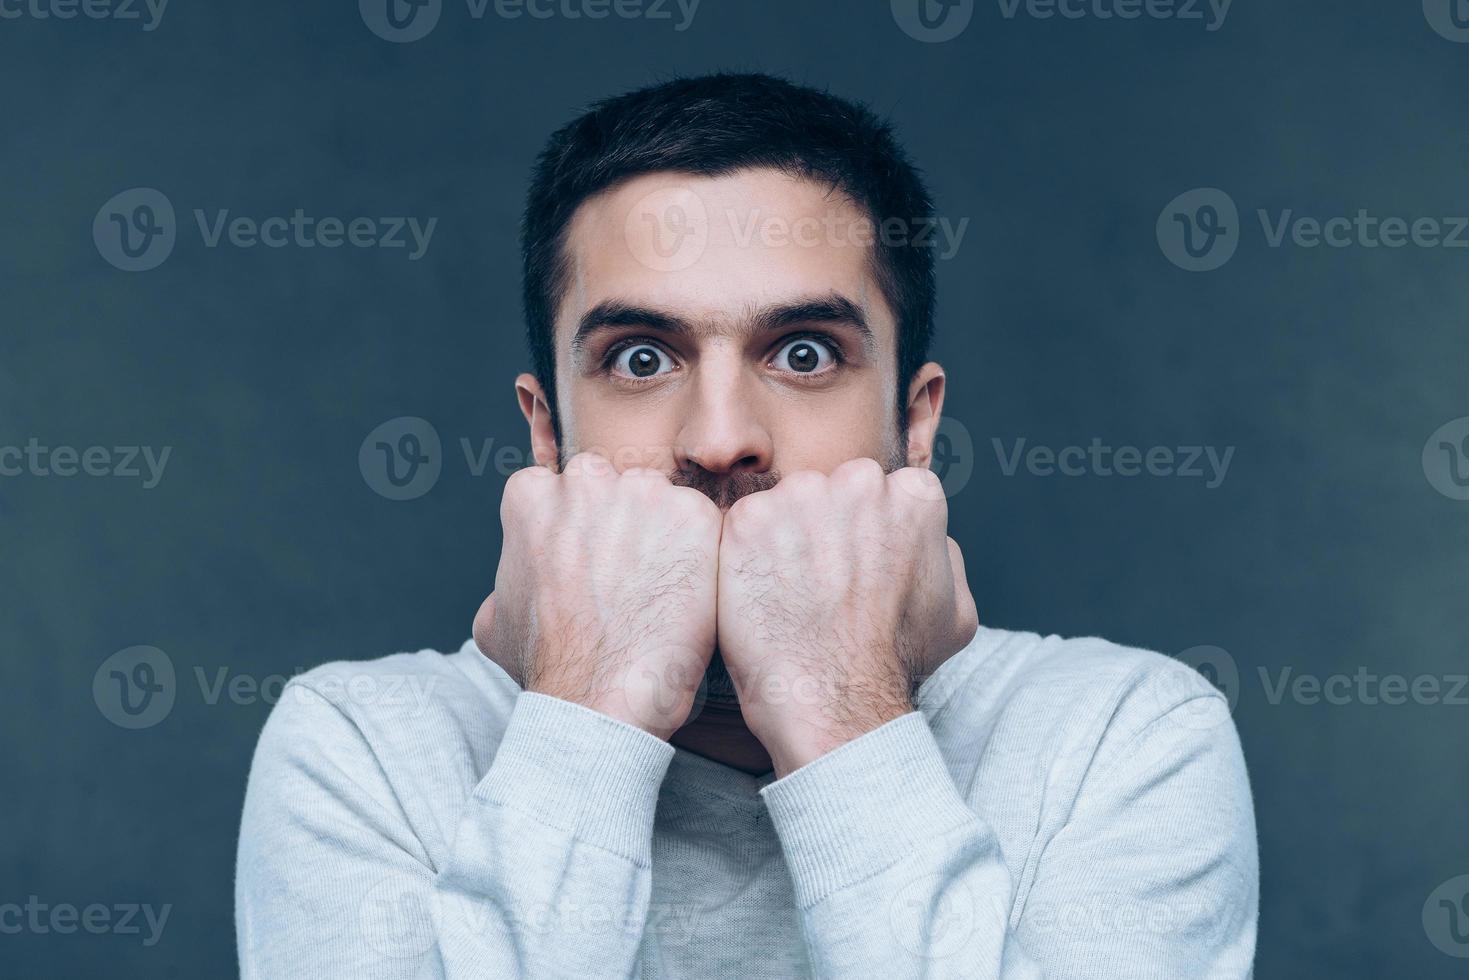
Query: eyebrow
point(833, 308)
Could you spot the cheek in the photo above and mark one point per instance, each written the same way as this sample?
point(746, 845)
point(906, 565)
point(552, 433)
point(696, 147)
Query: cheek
point(628, 432)
point(821, 434)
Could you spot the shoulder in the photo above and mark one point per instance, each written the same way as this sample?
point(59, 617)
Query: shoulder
point(1064, 679)
point(1073, 713)
point(422, 726)
point(412, 692)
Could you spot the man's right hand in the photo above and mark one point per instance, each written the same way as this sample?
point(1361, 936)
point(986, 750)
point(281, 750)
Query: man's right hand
point(605, 594)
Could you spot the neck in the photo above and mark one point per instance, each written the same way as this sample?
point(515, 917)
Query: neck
point(719, 733)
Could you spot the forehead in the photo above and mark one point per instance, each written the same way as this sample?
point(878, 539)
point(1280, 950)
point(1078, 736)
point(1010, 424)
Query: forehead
point(711, 249)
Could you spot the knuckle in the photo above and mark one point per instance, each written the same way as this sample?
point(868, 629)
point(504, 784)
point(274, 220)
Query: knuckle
point(863, 471)
point(804, 482)
point(525, 486)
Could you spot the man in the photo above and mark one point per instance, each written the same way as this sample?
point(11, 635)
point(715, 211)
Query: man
point(728, 711)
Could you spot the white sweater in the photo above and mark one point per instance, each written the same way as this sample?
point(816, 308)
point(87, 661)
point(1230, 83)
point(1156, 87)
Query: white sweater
point(1057, 808)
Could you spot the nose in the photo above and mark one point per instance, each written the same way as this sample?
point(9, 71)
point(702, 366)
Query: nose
point(722, 430)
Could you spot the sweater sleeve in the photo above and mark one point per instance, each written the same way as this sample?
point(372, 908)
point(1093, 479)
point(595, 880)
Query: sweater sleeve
point(547, 876)
point(1152, 875)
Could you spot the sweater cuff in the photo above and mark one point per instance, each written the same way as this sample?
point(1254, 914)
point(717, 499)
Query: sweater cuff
point(863, 807)
point(577, 770)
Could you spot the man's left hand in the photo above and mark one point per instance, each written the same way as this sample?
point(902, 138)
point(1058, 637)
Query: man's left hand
point(837, 595)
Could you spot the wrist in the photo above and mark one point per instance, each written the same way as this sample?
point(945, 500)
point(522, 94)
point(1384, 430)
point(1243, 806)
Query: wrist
point(659, 712)
point(796, 741)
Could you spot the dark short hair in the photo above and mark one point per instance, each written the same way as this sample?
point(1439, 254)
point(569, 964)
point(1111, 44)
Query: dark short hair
point(710, 126)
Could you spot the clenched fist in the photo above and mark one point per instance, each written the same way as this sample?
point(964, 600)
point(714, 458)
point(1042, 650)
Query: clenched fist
point(605, 592)
point(836, 595)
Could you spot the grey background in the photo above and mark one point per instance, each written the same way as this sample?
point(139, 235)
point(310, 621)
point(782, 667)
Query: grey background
point(264, 551)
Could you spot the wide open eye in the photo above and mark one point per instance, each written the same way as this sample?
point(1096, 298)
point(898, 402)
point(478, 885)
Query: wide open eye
point(641, 361)
point(805, 355)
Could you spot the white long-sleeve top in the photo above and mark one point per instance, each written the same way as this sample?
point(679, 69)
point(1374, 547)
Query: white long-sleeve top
point(1057, 808)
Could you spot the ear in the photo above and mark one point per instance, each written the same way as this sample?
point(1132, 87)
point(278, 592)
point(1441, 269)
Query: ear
point(537, 414)
point(925, 408)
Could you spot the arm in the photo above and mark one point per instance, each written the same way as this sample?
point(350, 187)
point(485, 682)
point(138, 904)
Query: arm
point(548, 874)
point(603, 613)
point(1153, 875)
point(837, 592)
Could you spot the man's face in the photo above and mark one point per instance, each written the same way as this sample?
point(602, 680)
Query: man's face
point(727, 331)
